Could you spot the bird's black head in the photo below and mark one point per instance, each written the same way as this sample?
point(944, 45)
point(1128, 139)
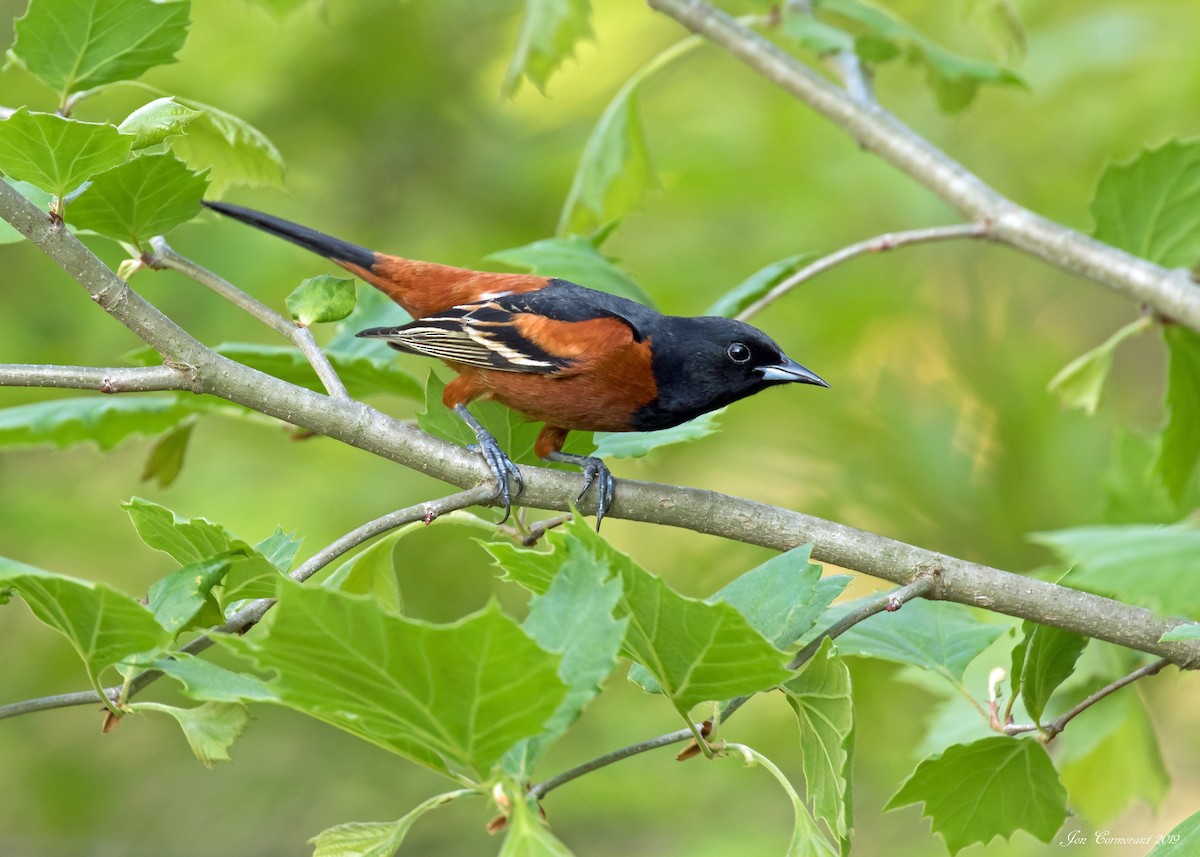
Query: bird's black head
point(701, 364)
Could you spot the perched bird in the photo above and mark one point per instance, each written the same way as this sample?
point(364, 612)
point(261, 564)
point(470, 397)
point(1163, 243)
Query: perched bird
point(561, 354)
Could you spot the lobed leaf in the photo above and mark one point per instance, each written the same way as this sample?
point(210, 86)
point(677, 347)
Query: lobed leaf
point(103, 625)
point(235, 152)
point(210, 728)
point(103, 420)
point(820, 697)
point(73, 45)
point(205, 681)
point(186, 593)
point(373, 571)
point(550, 29)
point(58, 154)
point(454, 698)
point(576, 259)
point(139, 199)
point(991, 787)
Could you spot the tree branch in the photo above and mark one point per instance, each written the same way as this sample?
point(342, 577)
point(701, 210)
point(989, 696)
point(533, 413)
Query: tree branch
point(141, 379)
point(702, 511)
point(1171, 293)
point(878, 244)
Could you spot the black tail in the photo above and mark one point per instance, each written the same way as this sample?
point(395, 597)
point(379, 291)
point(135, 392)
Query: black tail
point(318, 242)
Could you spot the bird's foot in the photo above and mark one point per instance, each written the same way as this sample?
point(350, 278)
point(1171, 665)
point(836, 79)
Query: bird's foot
point(503, 470)
point(594, 470)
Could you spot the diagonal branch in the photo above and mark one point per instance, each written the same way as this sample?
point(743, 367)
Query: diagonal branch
point(1171, 293)
point(702, 511)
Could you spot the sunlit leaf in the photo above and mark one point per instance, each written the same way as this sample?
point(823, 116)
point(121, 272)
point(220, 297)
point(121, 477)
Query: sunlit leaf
point(1149, 205)
point(991, 787)
point(1043, 659)
point(210, 728)
point(205, 681)
point(577, 260)
point(454, 698)
point(1180, 449)
point(820, 697)
point(1080, 383)
point(550, 29)
point(139, 199)
point(157, 120)
point(320, 299)
point(58, 154)
point(236, 151)
point(177, 599)
point(374, 839)
point(73, 45)
point(103, 625)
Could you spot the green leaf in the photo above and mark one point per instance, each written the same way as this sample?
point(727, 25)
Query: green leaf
point(807, 840)
point(527, 835)
point(1182, 841)
point(1158, 567)
point(139, 199)
point(693, 650)
point(375, 839)
point(103, 625)
point(374, 309)
point(991, 787)
point(321, 299)
point(758, 284)
point(177, 599)
point(515, 433)
point(1043, 659)
point(813, 34)
point(1080, 383)
point(614, 173)
point(236, 151)
point(1181, 633)
point(635, 444)
point(73, 45)
point(573, 258)
point(165, 461)
point(373, 571)
point(209, 728)
point(550, 29)
point(39, 197)
point(103, 420)
point(881, 36)
point(1116, 735)
point(157, 120)
point(783, 597)
point(205, 681)
point(820, 697)
point(1180, 448)
point(57, 154)
point(454, 698)
point(573, 619)
point(1150, 204)
point(936, 636)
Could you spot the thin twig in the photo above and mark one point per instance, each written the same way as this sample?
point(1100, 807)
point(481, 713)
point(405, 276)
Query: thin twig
point(892, 601)
point(1051, 730)
point(878, 244)
point(250, 615)
point(165, 256)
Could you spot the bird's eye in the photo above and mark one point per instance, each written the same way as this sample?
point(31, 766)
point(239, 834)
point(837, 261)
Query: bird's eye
point(738, 352)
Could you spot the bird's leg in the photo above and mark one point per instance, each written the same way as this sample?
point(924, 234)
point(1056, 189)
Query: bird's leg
point(500, 464)
point(594, 470)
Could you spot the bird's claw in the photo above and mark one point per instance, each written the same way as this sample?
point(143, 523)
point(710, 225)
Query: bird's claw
point(595, 470)
point(503, 470)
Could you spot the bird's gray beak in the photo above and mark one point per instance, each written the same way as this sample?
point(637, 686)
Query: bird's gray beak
point(790, 371)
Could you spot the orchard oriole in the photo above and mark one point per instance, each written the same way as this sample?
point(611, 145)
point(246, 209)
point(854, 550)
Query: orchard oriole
point(568, 356)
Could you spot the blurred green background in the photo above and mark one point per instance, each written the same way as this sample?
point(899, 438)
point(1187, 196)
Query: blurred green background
point(937, 429)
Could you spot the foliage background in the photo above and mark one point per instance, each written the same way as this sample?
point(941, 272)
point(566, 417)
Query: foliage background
point(938, 429)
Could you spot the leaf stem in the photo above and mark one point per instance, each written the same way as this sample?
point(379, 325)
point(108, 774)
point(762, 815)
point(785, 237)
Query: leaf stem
point(164, 256)
point(878, 244)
